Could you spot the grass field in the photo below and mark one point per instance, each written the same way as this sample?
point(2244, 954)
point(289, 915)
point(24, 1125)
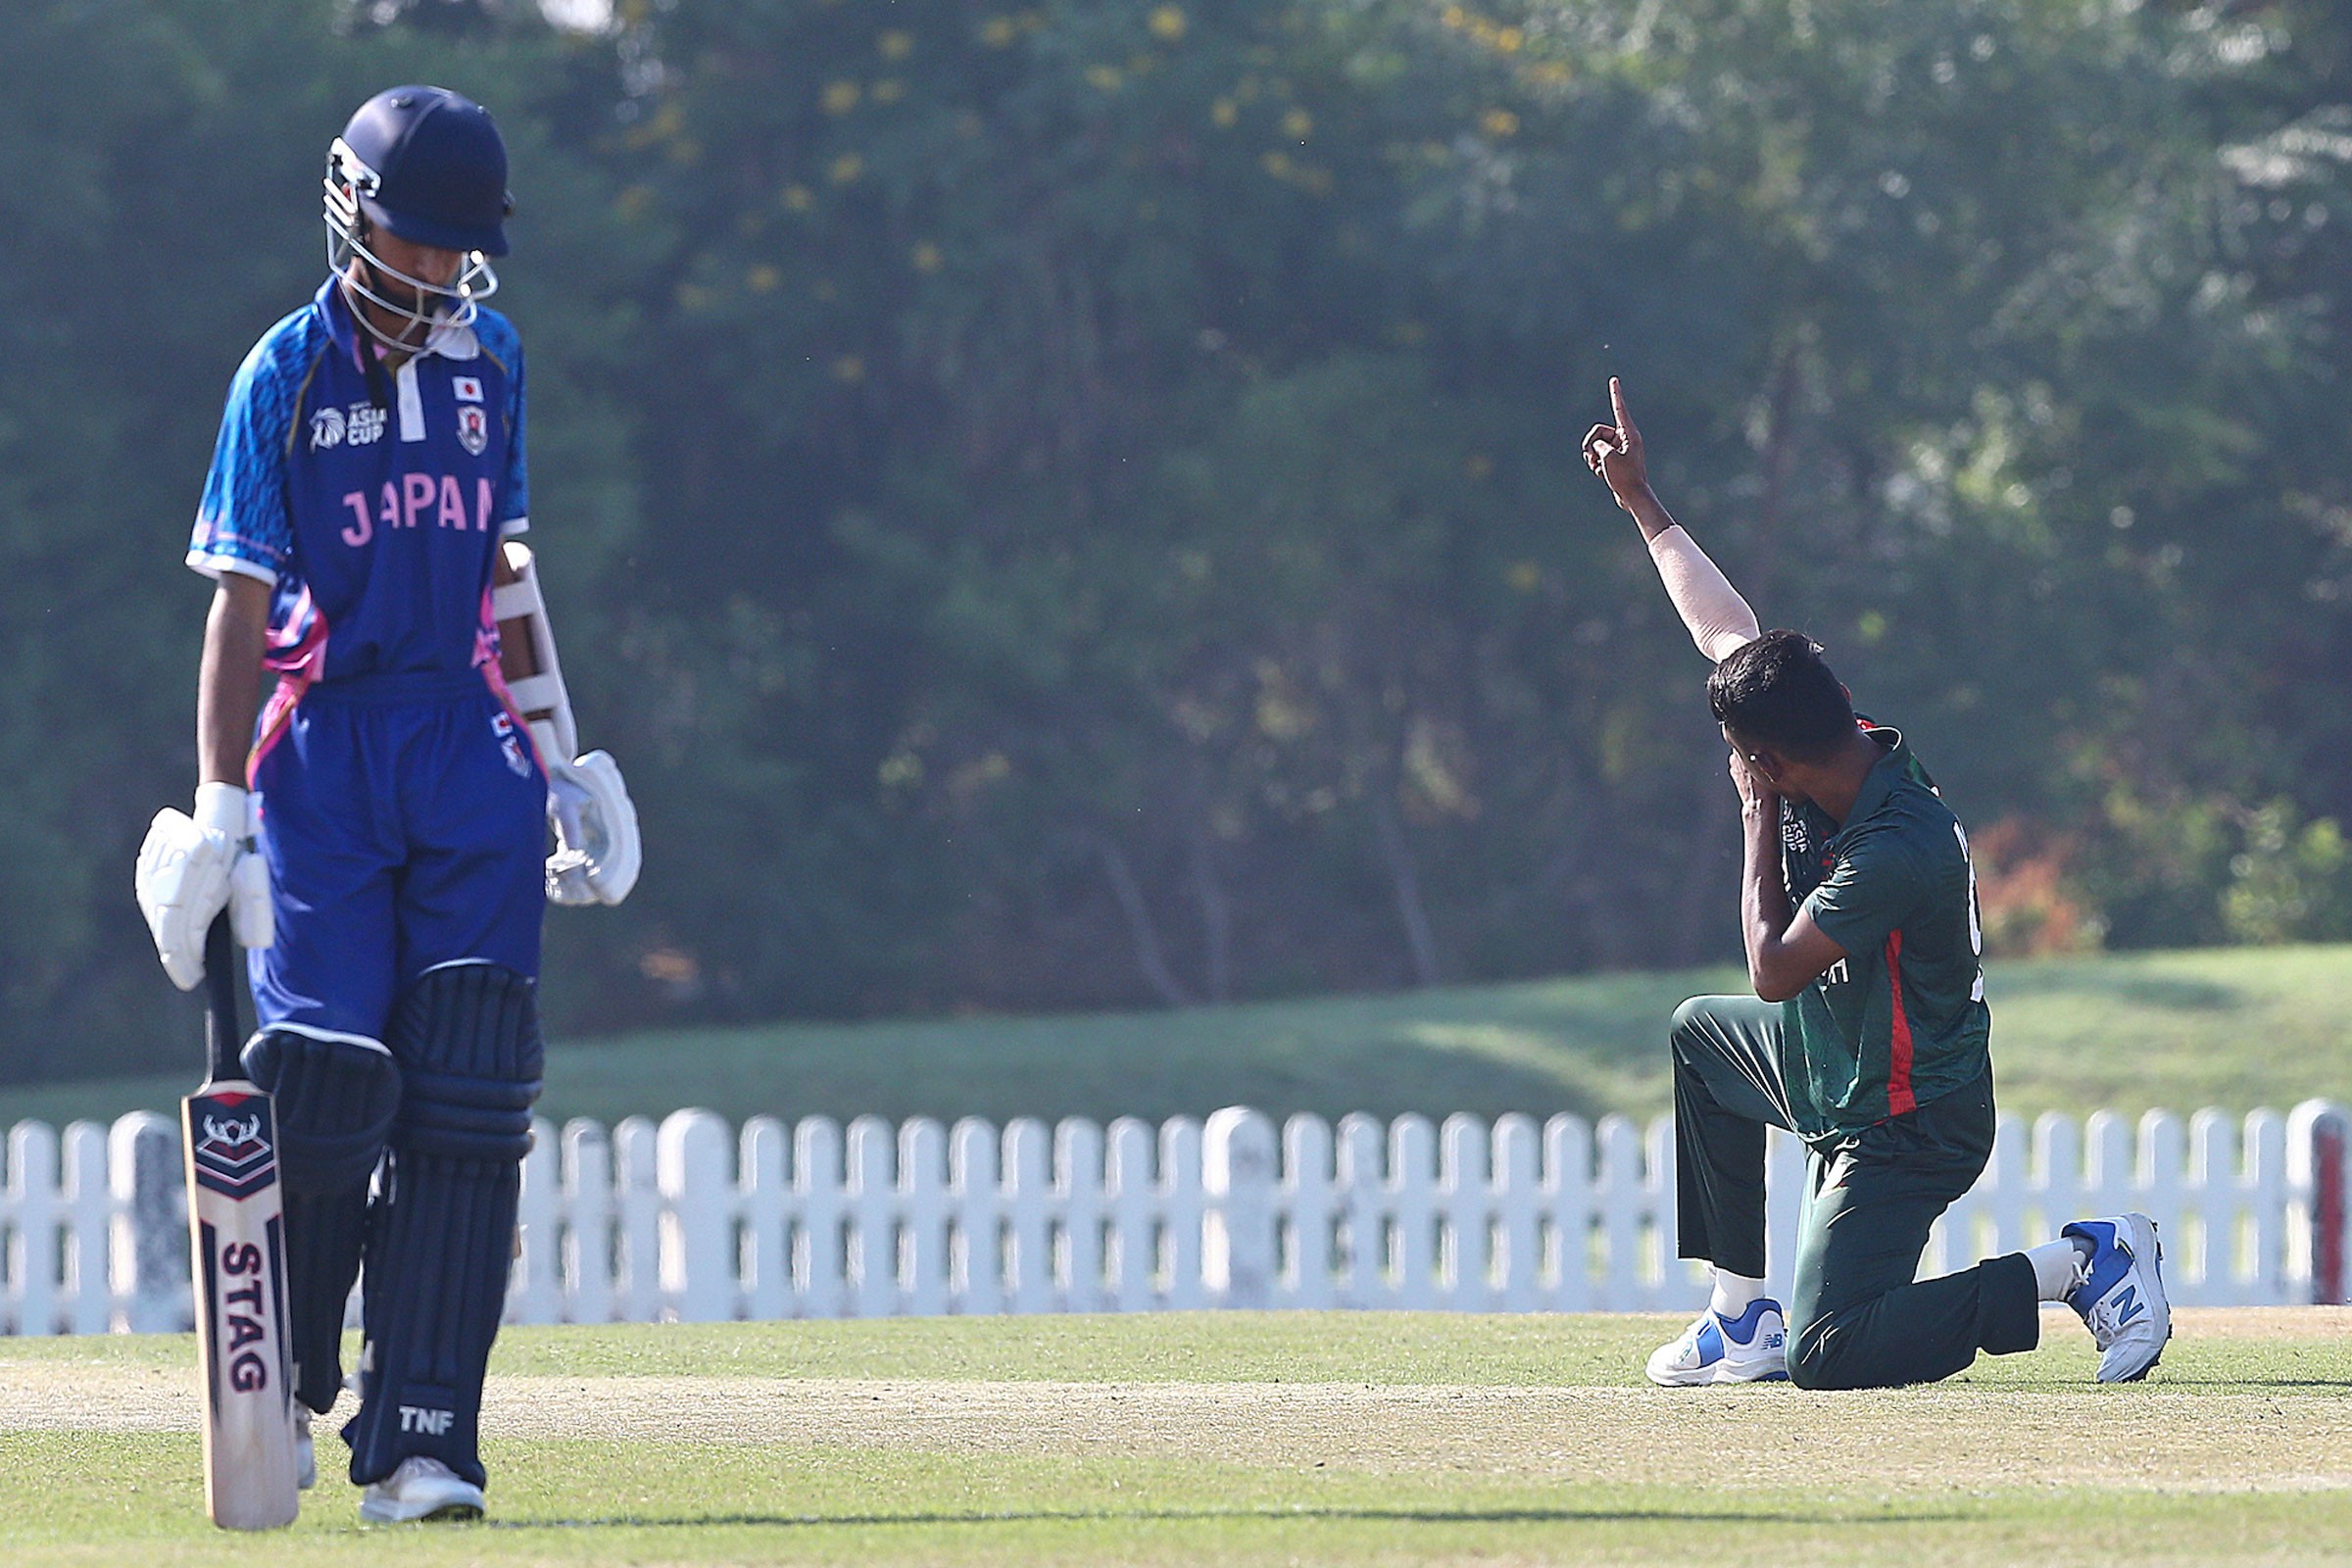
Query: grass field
point(1386, 1438)
point(2235, 1027)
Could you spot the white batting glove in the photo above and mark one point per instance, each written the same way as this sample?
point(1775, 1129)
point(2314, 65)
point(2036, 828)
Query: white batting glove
point(598, 851)
point(191, 867)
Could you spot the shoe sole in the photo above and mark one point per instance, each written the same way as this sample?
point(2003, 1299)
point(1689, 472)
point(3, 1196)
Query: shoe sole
point(446, 1513)
point(2161, 1306)
point(1713, 1377)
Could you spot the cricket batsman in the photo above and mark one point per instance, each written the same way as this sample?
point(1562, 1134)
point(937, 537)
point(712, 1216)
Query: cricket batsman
point(379, 834)
point(1867, 1036)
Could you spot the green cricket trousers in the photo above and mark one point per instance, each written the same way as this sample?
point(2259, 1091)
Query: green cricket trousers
point(1858, 1318)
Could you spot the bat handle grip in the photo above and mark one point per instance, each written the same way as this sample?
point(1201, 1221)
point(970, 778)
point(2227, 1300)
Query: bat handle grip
point(221, 1042)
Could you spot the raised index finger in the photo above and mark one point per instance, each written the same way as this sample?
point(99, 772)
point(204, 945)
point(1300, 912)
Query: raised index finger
point(1617, 409)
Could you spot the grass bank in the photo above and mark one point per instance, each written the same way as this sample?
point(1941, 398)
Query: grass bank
point(2233, 1027)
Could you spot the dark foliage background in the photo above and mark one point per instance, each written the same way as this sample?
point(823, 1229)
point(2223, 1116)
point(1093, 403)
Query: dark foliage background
point(1067, 505)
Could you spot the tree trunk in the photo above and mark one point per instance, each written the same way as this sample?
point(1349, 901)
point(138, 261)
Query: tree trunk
point(1216, 918)
point(1140, 929)
point(1419, 939)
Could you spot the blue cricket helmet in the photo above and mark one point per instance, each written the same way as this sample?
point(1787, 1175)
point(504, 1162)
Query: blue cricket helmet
point(428, 165)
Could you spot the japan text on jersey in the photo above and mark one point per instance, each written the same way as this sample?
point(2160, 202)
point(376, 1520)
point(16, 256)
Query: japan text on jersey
point(372, 503)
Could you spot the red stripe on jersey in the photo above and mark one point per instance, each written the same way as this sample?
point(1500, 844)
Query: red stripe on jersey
point(1899, 1098)
point(297, 660)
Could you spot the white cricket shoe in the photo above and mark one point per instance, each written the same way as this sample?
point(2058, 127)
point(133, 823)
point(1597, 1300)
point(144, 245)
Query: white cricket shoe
point(1752, 1347)
point(420, 1488)
point(305, 1456)
point(2120, 1299)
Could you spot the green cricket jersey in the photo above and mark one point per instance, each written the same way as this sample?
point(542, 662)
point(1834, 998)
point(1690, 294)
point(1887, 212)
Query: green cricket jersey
point(1901, 1019)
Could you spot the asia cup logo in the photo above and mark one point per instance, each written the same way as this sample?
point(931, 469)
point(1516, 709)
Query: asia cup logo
point(326, 428)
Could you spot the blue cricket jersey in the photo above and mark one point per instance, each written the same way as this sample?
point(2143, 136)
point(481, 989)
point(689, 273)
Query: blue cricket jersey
point(402, 811)
point(372, 503)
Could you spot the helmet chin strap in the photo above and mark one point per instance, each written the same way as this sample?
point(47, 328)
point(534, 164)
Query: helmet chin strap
point(377, 292)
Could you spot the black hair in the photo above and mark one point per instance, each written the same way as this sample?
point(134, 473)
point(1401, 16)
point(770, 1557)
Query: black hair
point(1776, 692)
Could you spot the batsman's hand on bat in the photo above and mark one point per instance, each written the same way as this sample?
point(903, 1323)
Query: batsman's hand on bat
point(1614, 452)
point(192, 867)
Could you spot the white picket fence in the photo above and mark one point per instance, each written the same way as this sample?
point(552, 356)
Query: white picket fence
point(691, 1221)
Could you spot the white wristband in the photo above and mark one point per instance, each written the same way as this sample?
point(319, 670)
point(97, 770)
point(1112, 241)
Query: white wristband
point(220, 808)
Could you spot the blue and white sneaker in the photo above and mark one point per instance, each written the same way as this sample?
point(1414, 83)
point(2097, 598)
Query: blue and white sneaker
point(1752, 1347)
point(2120, 1299)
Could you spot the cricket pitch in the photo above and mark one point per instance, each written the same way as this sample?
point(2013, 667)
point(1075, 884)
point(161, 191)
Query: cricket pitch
point(1249, 1438)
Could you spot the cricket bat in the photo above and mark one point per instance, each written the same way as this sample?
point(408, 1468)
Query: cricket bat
point(238, 1265)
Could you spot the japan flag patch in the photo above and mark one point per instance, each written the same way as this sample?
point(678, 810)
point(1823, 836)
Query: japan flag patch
point(474, 428)
point(469, 388)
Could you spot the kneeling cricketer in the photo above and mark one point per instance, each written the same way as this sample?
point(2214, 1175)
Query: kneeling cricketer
point(1866, 1034)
